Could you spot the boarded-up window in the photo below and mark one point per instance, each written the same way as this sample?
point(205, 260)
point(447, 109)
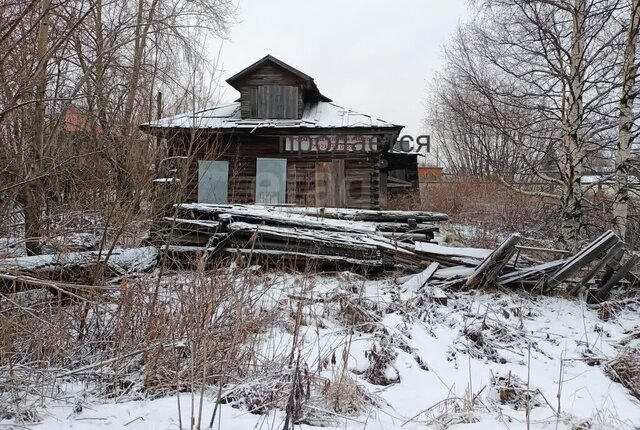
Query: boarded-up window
point(213, 181)
point(274, 101)
point(271, 180)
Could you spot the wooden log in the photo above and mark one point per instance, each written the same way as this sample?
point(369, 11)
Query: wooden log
point(297, 236)
point(11, 284)
point(394, 252)
point(78, 267)
point(490, 268)
point(398, 227)
point(270, 216)
point(368, 215)
point(304, 259)
point(121, 261)
point(191, 224)
point(405, 236)
point(264, 243)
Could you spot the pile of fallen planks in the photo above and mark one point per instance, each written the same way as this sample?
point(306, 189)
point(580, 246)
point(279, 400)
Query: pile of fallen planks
point(284, 237)
point(388, 240)
point(324, 237)
point(597, 268)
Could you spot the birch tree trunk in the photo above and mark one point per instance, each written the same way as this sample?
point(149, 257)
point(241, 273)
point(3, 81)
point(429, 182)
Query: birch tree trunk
point(573, 142)
point(623, 154)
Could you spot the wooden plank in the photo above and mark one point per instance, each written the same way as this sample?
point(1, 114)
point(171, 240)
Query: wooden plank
point(339, 188)
point(490, 268)
point(418, 281)
point(604, 292)
point(325, 194)
point(369, 215)
point(611, 253)
point(538, 272)
point(542, 250)
point(304, 258)
point(582, 258)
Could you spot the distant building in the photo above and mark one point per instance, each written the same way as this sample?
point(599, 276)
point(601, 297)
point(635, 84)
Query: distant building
point(430, 174)
point(76, 121)
point(284, 142)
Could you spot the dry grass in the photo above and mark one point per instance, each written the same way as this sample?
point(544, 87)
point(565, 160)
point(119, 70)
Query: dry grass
point(152, 338)
point(510, 390)
point(206, 333)
point(625, 369)
point(489, 206)
point(487, 209)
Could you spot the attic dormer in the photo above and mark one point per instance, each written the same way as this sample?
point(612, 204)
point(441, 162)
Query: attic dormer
point(271, 89)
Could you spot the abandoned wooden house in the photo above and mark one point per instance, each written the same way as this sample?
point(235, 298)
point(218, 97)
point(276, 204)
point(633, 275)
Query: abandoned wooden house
point(281, 142)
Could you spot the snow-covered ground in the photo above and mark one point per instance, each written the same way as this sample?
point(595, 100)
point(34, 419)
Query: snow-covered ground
point(480, 361)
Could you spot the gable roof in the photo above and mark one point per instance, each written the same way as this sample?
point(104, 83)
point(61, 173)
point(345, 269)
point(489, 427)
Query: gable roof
point(234, 80)
point(318, 115)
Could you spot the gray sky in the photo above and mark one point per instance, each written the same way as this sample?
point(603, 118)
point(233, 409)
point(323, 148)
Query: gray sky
point(373, 56)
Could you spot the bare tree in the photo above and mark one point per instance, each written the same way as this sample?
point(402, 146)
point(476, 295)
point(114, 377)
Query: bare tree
point(102, 61)
point(543, 72)
point(620, 209)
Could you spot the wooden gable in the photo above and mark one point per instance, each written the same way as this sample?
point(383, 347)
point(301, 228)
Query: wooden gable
point(271, 89)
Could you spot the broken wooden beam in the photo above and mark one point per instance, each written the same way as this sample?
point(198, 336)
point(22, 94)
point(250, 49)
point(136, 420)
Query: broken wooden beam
point(605, 291)
point(488, 271)
point(529, 274)
point(418, 281)
point(586, 256)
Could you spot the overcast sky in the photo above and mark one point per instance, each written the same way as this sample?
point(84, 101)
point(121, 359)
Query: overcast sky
point(373, 56)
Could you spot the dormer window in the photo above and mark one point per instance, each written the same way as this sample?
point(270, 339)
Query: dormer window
point(274, 102)
point(271, 89)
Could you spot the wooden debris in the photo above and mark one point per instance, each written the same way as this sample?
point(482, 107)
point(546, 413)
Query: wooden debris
point(376, 239)
point(604, 292)
point(298, 259)
point(489, 270)
point(418, 281)
point(367, 214)
point(383, 240)
point(120, 262)
point(542, 250)
point(449, 256)
point(338, 239)
point(529, 275)
point(21, 273)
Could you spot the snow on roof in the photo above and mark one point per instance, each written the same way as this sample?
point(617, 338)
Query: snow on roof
point(318, 115)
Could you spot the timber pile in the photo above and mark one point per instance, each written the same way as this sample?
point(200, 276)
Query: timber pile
point(598, 268)
point(336, 238)
point(368, 240)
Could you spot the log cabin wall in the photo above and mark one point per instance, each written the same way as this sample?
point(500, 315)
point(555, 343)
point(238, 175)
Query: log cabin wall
point(360, 180)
